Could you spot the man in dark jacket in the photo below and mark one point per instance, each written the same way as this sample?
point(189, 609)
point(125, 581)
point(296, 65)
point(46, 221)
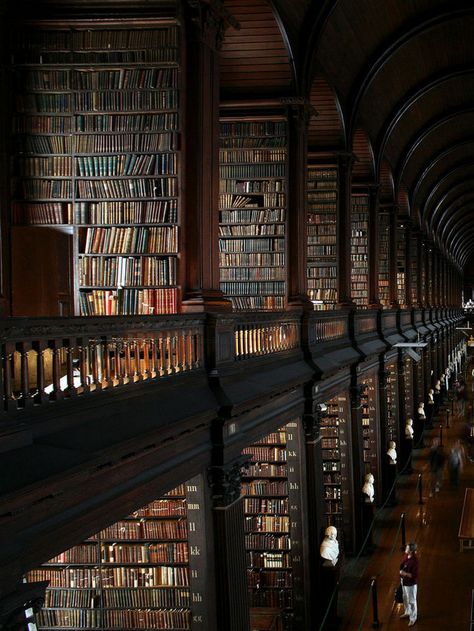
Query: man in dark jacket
point(409, 578)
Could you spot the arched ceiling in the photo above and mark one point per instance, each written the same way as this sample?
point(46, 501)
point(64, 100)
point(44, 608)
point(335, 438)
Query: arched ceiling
point(404, 72)
point(393, 81)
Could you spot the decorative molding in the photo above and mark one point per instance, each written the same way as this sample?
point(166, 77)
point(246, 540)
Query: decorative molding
point(225, 481)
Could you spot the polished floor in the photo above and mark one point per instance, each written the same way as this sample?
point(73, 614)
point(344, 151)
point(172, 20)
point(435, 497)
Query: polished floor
point(446, 577)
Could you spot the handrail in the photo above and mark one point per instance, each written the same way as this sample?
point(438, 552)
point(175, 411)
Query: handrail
point(50, 359)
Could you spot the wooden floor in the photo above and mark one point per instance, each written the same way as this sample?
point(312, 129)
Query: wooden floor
point(446, 575)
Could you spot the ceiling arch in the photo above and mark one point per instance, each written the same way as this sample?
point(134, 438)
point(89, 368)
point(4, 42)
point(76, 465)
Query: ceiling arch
point(436, 137)
point(256, 58)
point(326, 129)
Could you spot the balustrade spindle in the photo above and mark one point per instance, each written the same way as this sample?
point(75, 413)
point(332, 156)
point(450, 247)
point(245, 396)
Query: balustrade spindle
point(24, 399)
point(71, 389)
point(56, 393)
point(39, 396)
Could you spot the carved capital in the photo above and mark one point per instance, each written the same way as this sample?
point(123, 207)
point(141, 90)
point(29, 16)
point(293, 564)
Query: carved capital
point(210, 20)
point(225, 481)
point(300, 110)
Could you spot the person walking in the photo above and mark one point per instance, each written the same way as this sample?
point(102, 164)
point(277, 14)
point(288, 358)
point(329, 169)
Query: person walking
point(409, 578)
point(436, 459)
point(455, 462)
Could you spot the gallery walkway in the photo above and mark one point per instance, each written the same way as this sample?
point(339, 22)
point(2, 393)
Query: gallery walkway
point(446, 576)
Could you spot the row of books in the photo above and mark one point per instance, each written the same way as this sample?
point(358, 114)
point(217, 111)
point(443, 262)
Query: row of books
point(46, 213)
point(30, 189)
point(321, 229)
point(252, 186)
point(268, 559)
point(251, 259)
point(246, 129)
point(149, 598)
point(322, 272)
point(258, 303)
point(322, 250)
point(269, 203)
point(262, 245)
point(126, 164)
point(253, 273)
point(261, 288)
point(139, 122)
point(264, 469)
point(151, 576)
point(52, 166)
point(261, 579)
point(144, 78)
point(145, 529)
point(145, 553)
point(258, 216)
point(145, 598)
point(127, 188)
point(251, 230)
point(257, 169)
point(265, 487)
point(96, 143)
point(163, 507)
point(126, 212)
point(266, 505)
point(65, 40)
point(255, 155)
point(267, 523)
point(85, 58)
point(153, 240)
point(315, 199)
point(128, 302)
point(275, 438)
point(252, 142)
point(266, 453)
point(267, 541)
point(127, 271)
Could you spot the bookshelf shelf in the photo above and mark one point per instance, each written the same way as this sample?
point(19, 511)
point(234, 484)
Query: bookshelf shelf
point(322, 199)
point(139, 582)
point(252, 213)
point(96, 132)
point(384, 259)
point(401, 265)
point(336, 464)
point(360, 249)
point(392, 401)
point(271, 526)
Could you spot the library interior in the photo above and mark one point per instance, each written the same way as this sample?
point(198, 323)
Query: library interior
point(236, 302)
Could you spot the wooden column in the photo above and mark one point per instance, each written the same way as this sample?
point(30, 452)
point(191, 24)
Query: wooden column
point(315, 494)
point(345, 162)
point(373, 247)
point(229, 546)
point(408, 263)
point(299, 112)
point(205, 22)
point(426, 258)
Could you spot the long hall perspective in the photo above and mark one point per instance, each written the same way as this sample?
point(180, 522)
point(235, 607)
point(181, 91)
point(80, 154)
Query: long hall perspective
point(236, 315)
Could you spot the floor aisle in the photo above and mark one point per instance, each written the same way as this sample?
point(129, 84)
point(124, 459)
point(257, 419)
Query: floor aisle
point(446, 575)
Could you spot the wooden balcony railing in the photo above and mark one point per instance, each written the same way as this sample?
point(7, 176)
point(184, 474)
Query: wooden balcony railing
point(45, 360)
point(50, 360)
point(264, 334)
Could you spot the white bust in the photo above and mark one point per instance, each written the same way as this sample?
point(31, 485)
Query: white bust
point(431, 396)
point(421, 410)
point(368, 488)
point(409, 429)
point(329, 549)
point(392, 452)
point(438, 386)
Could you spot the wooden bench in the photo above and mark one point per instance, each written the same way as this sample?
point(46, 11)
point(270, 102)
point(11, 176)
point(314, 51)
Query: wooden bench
point(466, 527)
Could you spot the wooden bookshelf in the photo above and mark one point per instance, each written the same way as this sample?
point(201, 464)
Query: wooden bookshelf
point(370, 425)
point(337, 466)
point(272, 489)
point(391, 392)
point(384, 259)
point(96, 135)
point(253, 213)
point(322, 192)
point(139, 573)
point(401, 264)
point(414, 269)
point(359, 249)
point(409, 395)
